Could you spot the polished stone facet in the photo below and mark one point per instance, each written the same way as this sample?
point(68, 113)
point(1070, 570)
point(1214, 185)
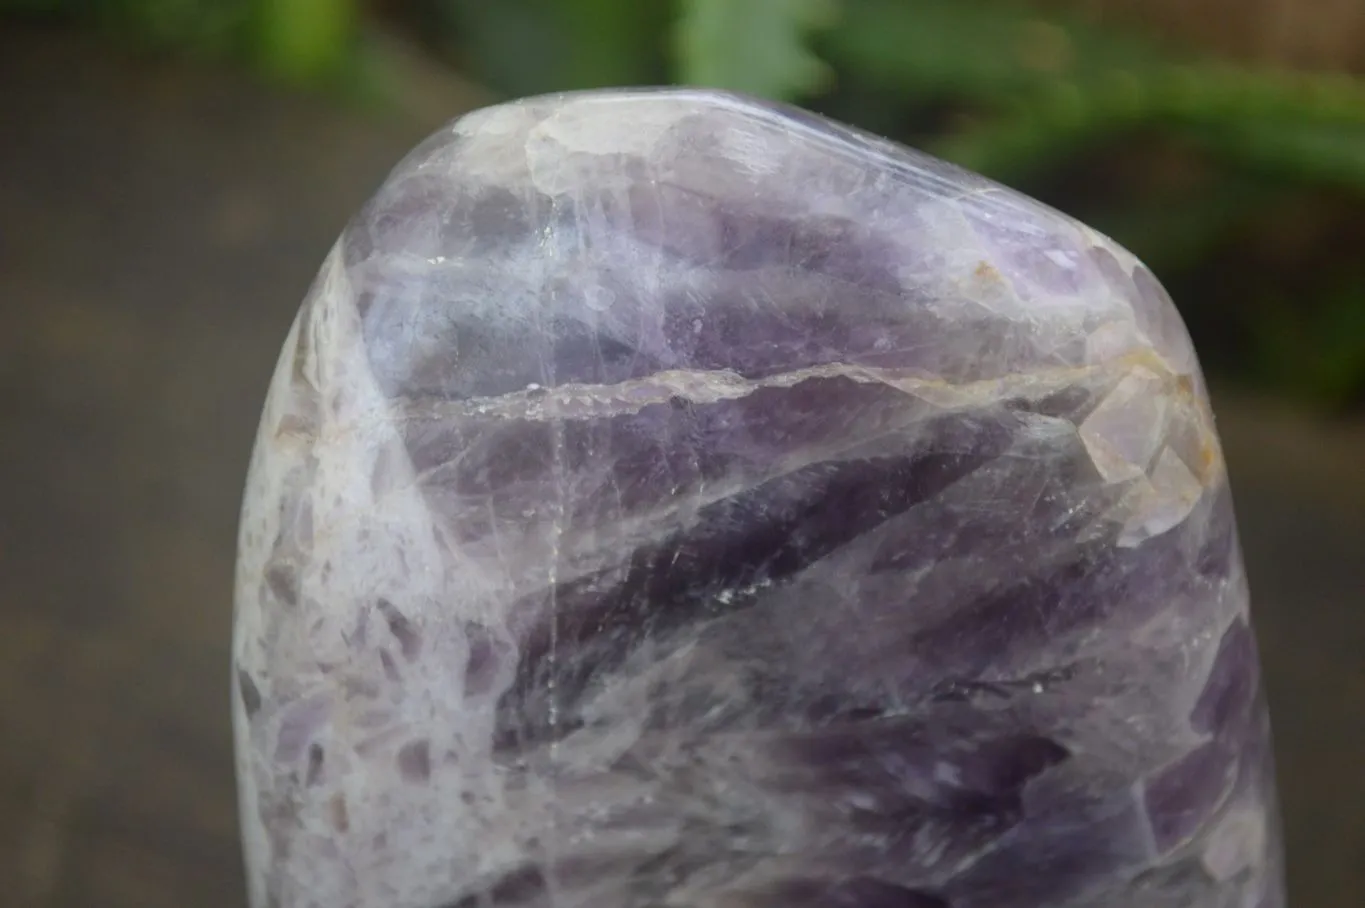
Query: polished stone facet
point(669, 500)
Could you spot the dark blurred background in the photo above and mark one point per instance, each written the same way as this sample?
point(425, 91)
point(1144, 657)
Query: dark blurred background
point(173, 171)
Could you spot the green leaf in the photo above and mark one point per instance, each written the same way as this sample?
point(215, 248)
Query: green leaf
point(305, 40)
point(975, 50)
point(612, 42)
point(1057, 85)
point(513, 47)
point(754, 46)
point(1299, 152)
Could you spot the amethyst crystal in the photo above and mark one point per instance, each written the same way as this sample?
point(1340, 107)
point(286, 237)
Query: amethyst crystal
point(669, 500)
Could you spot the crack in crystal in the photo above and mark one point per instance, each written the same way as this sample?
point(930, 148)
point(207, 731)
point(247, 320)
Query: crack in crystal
point(701, 387)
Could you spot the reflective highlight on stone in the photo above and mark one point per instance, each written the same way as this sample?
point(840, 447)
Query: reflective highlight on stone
point(668, 500)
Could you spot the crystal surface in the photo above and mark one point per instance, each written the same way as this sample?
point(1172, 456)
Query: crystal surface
point(666, 499)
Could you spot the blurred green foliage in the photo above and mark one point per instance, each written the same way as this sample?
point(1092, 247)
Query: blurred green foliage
point(302, 40)
point(758, 47)
point(1197, 165)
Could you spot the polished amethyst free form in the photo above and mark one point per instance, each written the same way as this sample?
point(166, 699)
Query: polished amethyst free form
point(669, 500)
